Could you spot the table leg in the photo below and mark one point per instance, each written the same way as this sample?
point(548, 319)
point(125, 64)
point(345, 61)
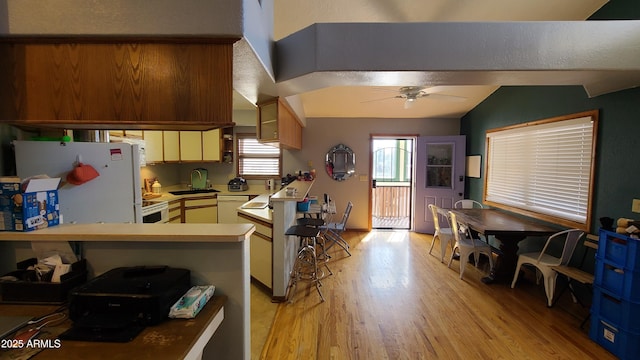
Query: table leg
point(506, 262)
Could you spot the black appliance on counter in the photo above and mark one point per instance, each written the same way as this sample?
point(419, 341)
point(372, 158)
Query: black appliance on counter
point(238, 184)
point(286, 180)
point(118, 304)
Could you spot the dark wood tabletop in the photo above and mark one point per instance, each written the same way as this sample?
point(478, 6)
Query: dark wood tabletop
point(509, 229)
point(503, 224)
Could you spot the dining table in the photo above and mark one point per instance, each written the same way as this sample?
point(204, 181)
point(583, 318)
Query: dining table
point(509, 229)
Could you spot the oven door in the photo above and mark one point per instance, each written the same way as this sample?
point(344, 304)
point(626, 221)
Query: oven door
point(156, 213)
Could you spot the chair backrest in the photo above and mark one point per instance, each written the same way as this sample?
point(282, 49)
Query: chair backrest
point(436, 212)
point(345, 217)
point(436, 220)
point(456, 229)
point(570, 237)
point(467, 204)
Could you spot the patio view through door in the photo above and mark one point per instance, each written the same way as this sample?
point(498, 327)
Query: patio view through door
point(391, 175)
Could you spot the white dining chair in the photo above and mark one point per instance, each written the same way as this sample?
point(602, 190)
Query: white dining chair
point(443, 234)
point(544, 262)
point(467, 245)
point(467, 204)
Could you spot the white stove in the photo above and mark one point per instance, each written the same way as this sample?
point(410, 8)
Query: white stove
point(155, 211)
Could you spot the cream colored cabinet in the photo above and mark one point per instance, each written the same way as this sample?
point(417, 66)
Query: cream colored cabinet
point(174, 146)
point(175, 211)
point(211, 145)
point(201, 210)
point(190, 146)
point(261, 248)
point(161, 146)
point(171, 145)
point(154, 150)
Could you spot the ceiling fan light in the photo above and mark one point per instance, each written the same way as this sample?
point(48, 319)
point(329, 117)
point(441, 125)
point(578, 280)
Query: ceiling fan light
point(409, 103)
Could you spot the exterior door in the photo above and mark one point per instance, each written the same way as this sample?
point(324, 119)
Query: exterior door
point(440, 175)
point(391, 180)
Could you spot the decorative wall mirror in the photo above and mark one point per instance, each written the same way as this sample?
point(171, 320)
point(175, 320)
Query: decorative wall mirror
point(340, 162)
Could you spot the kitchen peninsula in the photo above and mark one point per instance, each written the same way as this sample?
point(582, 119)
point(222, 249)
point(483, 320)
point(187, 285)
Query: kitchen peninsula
point(283, 248)
point(216, 254)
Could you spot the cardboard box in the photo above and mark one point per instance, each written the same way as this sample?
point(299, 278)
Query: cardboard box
point(9, 187)
point(35, 208)
point(27, 290)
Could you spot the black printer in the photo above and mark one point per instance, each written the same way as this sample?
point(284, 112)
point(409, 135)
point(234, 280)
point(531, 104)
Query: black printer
point(118, 304)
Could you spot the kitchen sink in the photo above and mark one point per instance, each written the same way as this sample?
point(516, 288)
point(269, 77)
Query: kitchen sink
point(193, 191)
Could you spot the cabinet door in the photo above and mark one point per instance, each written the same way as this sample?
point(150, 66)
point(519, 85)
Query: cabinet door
point(175, 211)
point(153, 149)
point(268, 121)
point(211, 145)
point(199, 211)
point(290, 128)
point(261, 262)
point(190, 146)
point(207, 215)
point(171, 145)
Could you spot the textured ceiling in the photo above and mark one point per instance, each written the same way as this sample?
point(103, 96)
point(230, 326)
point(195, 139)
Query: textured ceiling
point(377, 101)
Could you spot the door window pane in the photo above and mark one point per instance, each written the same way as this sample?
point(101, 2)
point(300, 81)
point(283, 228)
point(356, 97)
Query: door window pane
point(439, 165)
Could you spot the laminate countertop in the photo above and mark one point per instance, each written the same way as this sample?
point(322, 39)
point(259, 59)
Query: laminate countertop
point(263, 214)
point(137, 232)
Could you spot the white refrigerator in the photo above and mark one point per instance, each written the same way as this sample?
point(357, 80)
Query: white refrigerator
point(115, 196)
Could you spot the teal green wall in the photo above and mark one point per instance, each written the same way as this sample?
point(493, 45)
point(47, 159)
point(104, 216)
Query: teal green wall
point(617, 179)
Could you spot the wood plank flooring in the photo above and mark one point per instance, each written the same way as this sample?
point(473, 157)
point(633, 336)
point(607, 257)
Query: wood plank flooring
point(392, 300)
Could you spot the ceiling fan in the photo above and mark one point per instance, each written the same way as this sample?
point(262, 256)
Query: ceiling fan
point(411, 94)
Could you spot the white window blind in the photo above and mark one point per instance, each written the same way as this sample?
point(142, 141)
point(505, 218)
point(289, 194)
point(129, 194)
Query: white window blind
point(256, 159)
point(544, 168)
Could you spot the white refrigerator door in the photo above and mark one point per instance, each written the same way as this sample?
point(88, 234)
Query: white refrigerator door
point(112, 197)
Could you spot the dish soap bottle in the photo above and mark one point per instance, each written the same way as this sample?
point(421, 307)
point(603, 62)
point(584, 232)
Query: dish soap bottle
point(156, 188)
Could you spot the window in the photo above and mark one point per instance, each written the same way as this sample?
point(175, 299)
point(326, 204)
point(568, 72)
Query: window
point(544, 169)
point(392, 160)
point(257, 160)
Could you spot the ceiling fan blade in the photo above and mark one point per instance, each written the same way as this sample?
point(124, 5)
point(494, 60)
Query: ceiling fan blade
point(386, 98)
point(451, 98)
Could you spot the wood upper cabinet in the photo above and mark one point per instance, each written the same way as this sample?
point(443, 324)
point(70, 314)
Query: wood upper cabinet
point(278, 125)
point(268, 121)
point(148, 85)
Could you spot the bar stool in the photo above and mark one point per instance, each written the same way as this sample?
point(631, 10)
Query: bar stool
point(306, 265)
point(321, 241)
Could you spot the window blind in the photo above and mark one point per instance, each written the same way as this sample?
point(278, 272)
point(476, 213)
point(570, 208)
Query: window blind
point(257, 159)
point(544, 168)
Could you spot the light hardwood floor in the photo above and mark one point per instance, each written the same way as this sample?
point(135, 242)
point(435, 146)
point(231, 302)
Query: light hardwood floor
point(392, 300)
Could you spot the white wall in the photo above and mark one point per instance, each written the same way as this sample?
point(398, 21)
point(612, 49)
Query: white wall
point(321, 134)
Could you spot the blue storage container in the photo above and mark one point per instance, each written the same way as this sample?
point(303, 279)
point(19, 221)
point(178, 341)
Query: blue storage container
point(622, 313)
point(621, 250)
point(304, 205)
point(622, 343)
point(622, 283)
